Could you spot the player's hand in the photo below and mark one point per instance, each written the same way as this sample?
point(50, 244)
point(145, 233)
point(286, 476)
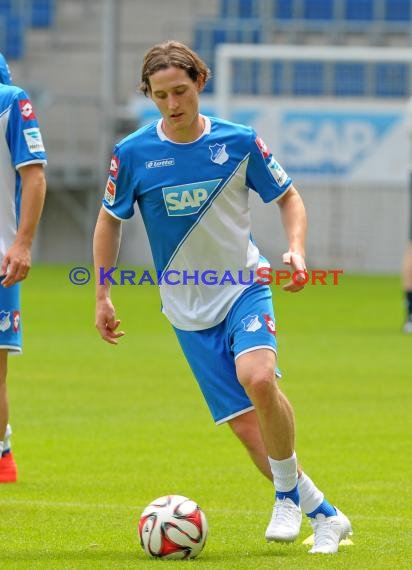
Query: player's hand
point(15, 265)
point(297, 262)
point(106, 322)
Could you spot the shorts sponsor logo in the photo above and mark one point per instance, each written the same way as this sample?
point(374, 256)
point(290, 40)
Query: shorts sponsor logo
point(34, 140)
point(110, 192)
point(114, 166)
point(160, 163)
point(270, 324)
point(16, 321)
point(26, 109)
point(5, 322)
point(251, 323)
point(218, 153)
point(188, 198)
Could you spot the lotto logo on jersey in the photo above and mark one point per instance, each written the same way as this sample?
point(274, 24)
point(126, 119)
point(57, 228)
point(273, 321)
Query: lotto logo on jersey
point(26, 109)
point(188, 198)
point(16, 321)
point(262, 147)
point(270, 324)
point(114, 166)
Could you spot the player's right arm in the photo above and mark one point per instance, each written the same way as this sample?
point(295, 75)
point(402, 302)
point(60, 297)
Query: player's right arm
point(106, 244)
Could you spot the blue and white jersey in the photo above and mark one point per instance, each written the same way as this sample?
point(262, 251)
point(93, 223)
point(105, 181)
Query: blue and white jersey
point(193, 198)
point(20, 144)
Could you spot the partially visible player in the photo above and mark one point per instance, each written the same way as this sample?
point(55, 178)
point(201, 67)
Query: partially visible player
point(407, 270)
point(407, 287)
point(22, 193)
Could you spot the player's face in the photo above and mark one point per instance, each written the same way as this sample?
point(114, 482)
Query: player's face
point(177, 98)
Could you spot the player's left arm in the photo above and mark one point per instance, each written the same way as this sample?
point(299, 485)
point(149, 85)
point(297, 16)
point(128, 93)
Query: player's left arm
point(17, 260)
point(293, 214)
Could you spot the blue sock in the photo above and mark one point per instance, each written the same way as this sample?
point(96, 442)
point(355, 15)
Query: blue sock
point(293, 494)
point(325, 508)
point(408, 297)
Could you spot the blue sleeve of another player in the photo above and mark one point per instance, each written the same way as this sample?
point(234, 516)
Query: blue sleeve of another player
point(264, 174)
point(119, 196)
point(23, 134)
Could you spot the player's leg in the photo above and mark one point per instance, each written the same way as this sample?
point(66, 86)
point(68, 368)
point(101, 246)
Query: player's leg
point(246, 429)
point(253, 313)
point(255, 371)
point(253, 341)
point(10, 341)
point(4, 405)
point(312, 500)
point(8, 469)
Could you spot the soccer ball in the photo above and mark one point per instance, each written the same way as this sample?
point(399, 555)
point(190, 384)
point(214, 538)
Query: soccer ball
point(173, 527)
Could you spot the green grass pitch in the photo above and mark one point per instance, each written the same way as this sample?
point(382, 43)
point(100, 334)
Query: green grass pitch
point(100, 431)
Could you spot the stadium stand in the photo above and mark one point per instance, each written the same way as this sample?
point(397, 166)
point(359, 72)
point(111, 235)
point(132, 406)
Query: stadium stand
point(42, 13)
point(370, 22)
point(16, 16)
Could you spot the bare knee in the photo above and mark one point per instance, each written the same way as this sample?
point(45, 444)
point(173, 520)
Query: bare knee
point(257, 379)
point(256, 369)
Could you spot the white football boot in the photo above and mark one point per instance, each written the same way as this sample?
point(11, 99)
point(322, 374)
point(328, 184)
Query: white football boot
point(328, 532)
point(285, 523)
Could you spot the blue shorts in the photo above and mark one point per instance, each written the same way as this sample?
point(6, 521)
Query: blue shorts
point(211, 353)
point(10, 324)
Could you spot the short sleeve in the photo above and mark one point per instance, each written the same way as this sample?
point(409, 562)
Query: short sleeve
point(119, 196)
point(264, 174)
point(23, 133)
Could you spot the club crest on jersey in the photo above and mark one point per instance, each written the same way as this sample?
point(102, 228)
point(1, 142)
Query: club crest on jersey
point(251, 323)
point(218, 153)
point(110, 192)
point(26, 109)
point(188, 198)
point(5, 322)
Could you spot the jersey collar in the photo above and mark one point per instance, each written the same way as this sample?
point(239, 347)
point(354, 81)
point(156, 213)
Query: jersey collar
point(163, 137)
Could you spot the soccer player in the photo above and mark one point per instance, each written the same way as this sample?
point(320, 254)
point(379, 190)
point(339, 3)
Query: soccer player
point(190, 176)
point(22, 192)
point(407, 271)
point(407, 286)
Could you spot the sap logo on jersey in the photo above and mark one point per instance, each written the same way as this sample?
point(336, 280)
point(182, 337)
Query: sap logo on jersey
point(188, 198)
